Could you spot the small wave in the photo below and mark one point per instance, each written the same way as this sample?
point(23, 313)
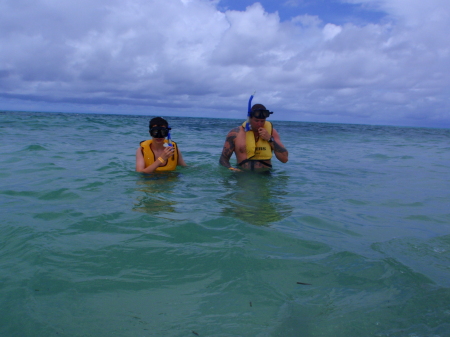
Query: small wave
point(20, 193)
point(60, 194)
point(34, 147)
point(357, 202)
point(92, 186)
point(377, 156)
point(49, 216)
point(421, 218)
point(401, 204)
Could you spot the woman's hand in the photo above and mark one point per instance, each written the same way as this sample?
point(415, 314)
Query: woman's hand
point(167, 153)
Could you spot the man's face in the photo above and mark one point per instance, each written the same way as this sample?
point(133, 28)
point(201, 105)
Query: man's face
point(257, 123)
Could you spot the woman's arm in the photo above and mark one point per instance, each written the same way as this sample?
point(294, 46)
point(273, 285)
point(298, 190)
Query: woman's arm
point(181, 161)
point(140, 162)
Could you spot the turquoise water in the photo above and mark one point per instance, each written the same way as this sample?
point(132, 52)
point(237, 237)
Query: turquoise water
point(359, 214)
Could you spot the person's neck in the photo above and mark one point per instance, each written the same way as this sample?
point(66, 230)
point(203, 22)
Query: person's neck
point(157, 146)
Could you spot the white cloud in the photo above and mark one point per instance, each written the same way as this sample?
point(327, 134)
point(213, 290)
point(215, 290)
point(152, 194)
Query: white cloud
point(188, 56)
point(330, 31)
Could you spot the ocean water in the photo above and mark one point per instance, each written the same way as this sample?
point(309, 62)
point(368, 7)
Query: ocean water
point(351, 237)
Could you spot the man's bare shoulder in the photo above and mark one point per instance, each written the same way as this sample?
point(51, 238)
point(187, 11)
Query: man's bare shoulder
point(234, 131)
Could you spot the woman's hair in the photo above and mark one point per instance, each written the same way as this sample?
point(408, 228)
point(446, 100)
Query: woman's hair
point(158, 121)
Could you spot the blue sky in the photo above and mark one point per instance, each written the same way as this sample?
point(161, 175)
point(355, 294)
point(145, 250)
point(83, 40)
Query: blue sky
point(341, 61)
point(337, 12)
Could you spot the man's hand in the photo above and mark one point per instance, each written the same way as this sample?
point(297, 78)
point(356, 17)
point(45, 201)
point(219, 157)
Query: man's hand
point(264, 134)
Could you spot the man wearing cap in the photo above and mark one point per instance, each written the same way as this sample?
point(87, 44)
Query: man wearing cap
point(254, 142)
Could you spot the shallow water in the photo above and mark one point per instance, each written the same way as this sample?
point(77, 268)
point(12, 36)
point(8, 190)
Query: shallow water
point(90, 248)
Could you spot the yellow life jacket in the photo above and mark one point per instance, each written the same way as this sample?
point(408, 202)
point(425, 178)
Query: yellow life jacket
point(260, 150)
point(149, 156)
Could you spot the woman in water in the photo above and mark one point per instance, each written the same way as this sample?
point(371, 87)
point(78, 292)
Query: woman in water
point(158, 154)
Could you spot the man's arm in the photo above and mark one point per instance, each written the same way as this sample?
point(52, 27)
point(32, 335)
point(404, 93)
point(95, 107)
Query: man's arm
point(228, 148)
point(278, 148)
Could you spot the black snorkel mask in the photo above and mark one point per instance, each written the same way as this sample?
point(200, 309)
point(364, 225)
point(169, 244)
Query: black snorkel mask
point(159, 131)
point(261, 113)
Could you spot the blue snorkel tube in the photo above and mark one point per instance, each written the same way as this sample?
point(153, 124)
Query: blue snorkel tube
point(169, 139)
point(247, 125)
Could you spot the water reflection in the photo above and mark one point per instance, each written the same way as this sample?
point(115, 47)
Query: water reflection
point(156, 193)
point(259, 199)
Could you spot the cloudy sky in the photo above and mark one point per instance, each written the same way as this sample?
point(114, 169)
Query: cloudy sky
point(344, 61)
